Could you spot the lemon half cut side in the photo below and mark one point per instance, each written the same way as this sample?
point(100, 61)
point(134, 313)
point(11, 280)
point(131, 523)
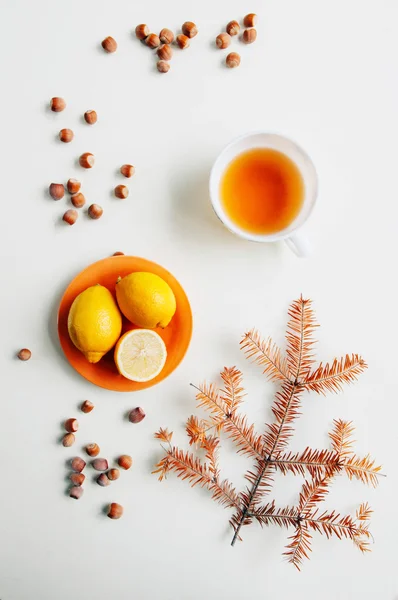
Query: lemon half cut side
point(140, 355)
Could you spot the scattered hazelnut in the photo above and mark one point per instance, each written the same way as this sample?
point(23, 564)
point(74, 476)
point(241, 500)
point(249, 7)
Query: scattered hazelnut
point(136, 415)
point(115, 511)
point(77, 478)
point(70, 216)
point(100, 464)
point(223, 40)
point(78, 200)
point(68, 440)
point(166, 36)
point(87, 160)
point(127, 170)
point(142, 31)
point(233, 60)
point(118, 254)
point(189, 29)
point(66, 135)
point(182, 41)
point(165, 52)
point(95, 211)
point(78, 464)
point(163, 66)
point(90, 116)
point(121, 191)
point(57, 104)
point(57, 191)
point(125, 461)
point(87, 406)
point(92, 450)
point(250, 20)
point(233, 28)
point(103, 480)
point(113, 474)
point(249, 35)
point(152, 40)
point(76, 492)
point(73, 186)
point(71, 425)
point(24, 354)
point(109, 44)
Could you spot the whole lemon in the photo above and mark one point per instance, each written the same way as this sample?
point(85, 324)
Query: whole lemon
point(146, 300)
point(94, 322)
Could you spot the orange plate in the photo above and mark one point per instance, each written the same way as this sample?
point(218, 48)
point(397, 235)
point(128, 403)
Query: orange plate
point(176, 336)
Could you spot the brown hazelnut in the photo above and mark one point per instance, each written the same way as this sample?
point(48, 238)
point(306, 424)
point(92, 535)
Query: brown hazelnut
point(76, 492)
point(250, 20)
point(223, 40)
point(113, 474)
point(24, 354)
point(127, 170)
point(163, 66)
point(92, 450)
point(90, 116)
point(249, 35)
point(95, 211)
point(103, 480)
point(142, 31)
point(118, 254)
point(57, 104)
point(78, 464)
point(109, 44)
point(78, 200)
point(77, 478)
point(66, 135)
point(70, 216)
point(100, 464)
point(56, 191)
point(73, 186)
point(125, 461)
point(233, 60)
point(68, 440)
point(165, 52)
point(189, 29)
point(121, 191)
point(71, 425)
point(166, 36)
point(152, 40)
point(87, 406)
point(115, 511)
point(233, 28)
point(136, 415)
point(182, 41)
point(87, 160)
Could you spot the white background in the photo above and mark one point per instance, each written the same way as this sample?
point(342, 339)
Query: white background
point(323, 73)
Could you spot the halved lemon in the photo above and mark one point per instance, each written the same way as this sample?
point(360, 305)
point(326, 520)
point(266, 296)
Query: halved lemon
point(140, 355)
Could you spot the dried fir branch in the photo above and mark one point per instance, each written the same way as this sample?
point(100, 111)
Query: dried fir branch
point(330, 378)
point(300, 546)
point(364, 469)
point(300, 338)
point(233, 393)
point(315, 462)
point(267, 355)
point(341, 437)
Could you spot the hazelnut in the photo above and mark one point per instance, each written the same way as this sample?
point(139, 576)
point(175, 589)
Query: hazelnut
point(115, 511)
point(71, 425)
point(57, 104)
point(77, 478)
point(66, 135)
point(24, 354)
point(118, 254)
point(68, 440)
point(182, 41)
point(136, 415)
point(103, 480)
point(223, 40)
point(76, 492)
point(100, 464)
point(142, 31)
point(109, 44)
point(93, 450)
point(56, 191)
point(95, 211)
point(249, 35)
point(78, 200)
point(250, 20)
point(121, 191)
point(165, 52)
point(233, 28)
point(127, 170)
point(113, 474)
point(78, 464)
point(87, 160)
point(73, 186)
point(125, 461)
point(90, 116)
point(70, 216)
point(152, 40)
point(87, 406)
point(189, 29)
point(233, 60)
point(166, 36)
point(163, 66)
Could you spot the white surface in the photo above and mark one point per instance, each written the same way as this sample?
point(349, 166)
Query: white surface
point(323, 73)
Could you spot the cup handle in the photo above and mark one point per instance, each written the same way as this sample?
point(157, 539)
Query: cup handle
point(299, 244)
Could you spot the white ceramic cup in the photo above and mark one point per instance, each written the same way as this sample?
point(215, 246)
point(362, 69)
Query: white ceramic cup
point(291, 234)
